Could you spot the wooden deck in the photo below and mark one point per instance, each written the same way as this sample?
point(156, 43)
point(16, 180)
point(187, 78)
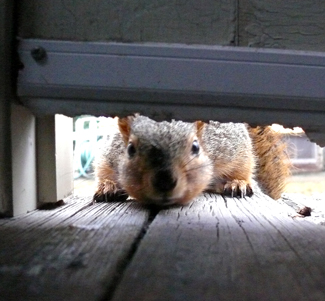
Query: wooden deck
point(214, 249)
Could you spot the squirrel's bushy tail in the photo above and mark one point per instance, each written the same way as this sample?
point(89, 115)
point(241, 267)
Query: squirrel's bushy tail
point(273, 163)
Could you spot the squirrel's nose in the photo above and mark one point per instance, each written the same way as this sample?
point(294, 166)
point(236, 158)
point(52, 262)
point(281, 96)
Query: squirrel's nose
point(164, 181)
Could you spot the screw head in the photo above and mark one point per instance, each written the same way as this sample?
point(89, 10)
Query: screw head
point(38, 53)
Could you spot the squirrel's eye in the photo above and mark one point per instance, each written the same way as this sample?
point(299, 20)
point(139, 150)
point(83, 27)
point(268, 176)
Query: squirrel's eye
point(195, 147)
point(131, 149)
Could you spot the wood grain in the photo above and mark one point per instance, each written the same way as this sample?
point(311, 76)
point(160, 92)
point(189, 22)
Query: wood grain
point(209, 22)
point(66, 254)
point(277, 24)
point(214, 249)
point(231, 249)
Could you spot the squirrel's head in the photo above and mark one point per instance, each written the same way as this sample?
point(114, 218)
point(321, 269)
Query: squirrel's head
point(164, 162)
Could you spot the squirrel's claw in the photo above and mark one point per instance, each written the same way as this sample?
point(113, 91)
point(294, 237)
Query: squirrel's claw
point(236, 188)
point(118, 196)
point(109, 192)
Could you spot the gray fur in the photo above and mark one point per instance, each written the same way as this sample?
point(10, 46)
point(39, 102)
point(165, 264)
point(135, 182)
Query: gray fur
point(169, 136)
point(220, 140)
point(159, 147)
point(226, 140)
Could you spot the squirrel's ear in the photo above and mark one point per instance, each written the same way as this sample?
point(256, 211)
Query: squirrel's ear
point(124, 125)
point(199, 127)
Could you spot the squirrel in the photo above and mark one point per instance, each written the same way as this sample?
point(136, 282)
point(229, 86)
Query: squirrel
point(170, 163)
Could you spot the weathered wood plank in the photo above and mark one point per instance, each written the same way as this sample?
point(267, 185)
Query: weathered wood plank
point(67, 254)
point(208, 22)
point(234, 250)
point(214, 249)
point(277, 24)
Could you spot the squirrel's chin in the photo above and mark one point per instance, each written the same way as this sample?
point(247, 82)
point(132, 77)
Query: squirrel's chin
point(166, 201)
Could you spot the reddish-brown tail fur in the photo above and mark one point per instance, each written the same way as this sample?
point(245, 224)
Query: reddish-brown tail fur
point(273, 164)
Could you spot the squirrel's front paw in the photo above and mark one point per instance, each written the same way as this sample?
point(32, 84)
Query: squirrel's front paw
point(109, 192)
point(238, 188)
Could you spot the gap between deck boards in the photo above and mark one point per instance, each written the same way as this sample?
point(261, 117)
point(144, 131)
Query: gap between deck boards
point(124, 262)
point(124, 251)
